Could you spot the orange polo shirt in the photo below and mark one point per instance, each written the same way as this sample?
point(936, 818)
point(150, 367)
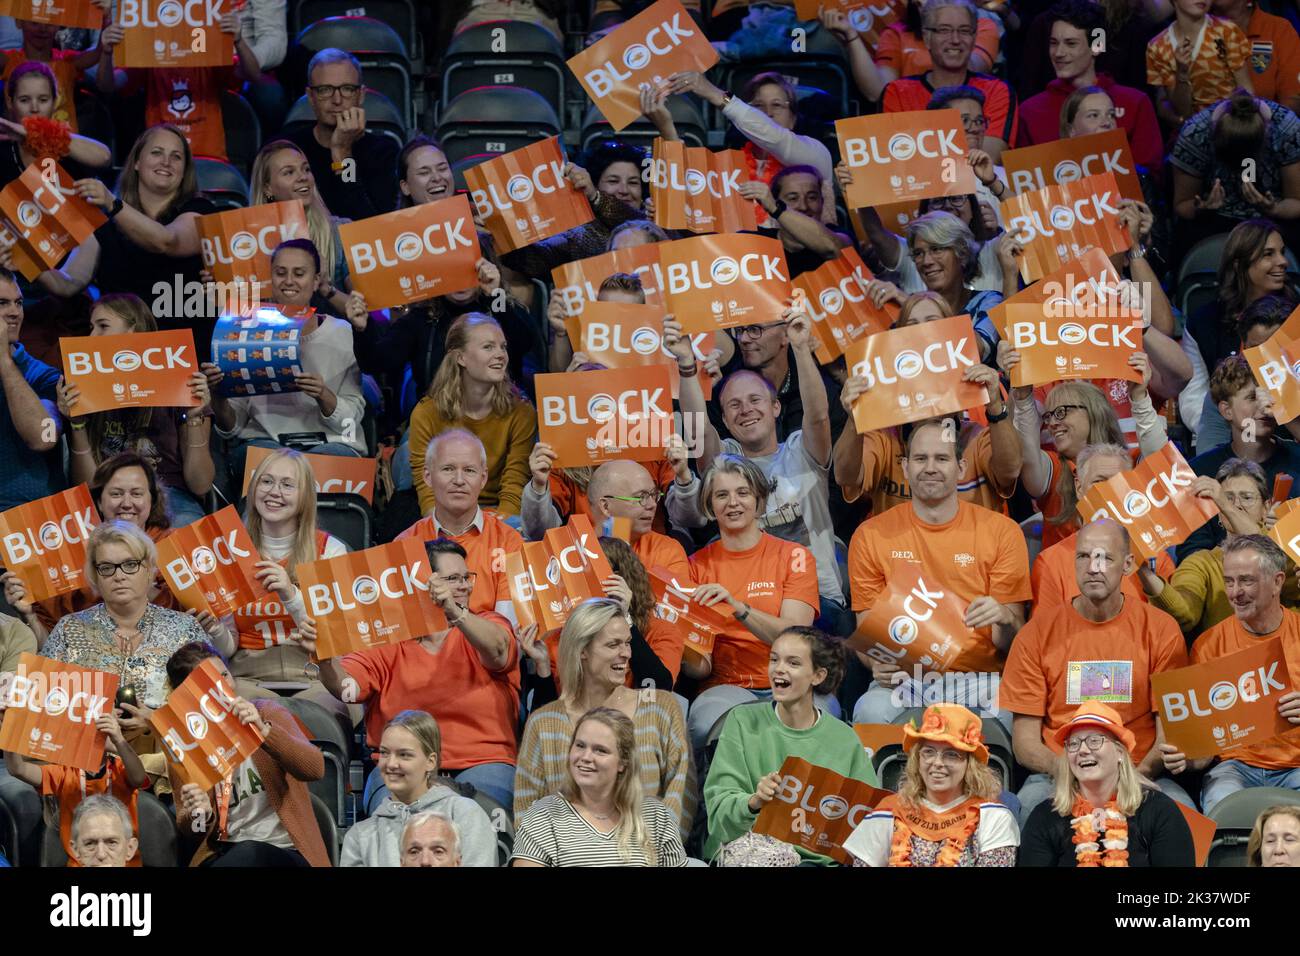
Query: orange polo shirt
point(486, 544)
point(1054, 581)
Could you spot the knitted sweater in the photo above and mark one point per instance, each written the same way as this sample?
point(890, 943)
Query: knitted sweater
point(755, 743)
point(662, 751)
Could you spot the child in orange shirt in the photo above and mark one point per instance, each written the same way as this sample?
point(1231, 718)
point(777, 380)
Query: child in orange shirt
point(1196, 61)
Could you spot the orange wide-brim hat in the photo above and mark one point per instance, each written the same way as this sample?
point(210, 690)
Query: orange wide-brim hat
point(1100, 716)
point(950, 724)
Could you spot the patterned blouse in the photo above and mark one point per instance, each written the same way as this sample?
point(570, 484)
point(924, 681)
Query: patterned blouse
point(87, 639)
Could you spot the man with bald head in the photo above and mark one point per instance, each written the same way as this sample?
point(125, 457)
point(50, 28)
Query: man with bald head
point(1101, 646)
point(430, 839)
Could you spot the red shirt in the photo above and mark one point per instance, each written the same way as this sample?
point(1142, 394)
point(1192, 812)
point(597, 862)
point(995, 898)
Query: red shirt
point(1040, 119)
point(912, 93)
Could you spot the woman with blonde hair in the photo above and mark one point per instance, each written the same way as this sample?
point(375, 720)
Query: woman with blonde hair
point(946, 812)
point(600, 817)
point(595, 657)
point(472, 390)
point(1275, 838)
point(1104, 812)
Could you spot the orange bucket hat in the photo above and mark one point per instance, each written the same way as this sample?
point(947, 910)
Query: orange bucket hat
point(1097, 715)
point(949, 724)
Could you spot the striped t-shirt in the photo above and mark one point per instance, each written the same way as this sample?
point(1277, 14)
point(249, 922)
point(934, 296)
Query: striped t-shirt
point(553, 833)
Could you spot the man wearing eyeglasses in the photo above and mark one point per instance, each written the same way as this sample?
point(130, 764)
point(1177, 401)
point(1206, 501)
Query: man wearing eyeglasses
point(355, 171)
point(1101, 647)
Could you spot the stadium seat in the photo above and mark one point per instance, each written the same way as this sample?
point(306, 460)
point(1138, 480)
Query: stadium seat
point(94, 119)
point(347, 517)
point(1235, 815)
point(9, 848)
point(221, 183)
point(384, 58)
point(327, 734)
point(532, 59)
point(243, 131)
point(459, 166)
point(329, 831)
point(687, 117)
point(398, 14)
point(495, 119)
point(157, 836)
point(502, 817)
point(1033, 531)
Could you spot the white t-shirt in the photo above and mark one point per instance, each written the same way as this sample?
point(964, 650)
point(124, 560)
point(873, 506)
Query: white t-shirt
point(251, 815)
point(871, 840)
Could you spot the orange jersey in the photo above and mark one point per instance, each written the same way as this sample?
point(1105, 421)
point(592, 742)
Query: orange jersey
point(486, 544)
point(1227, 637)
point(265, 623)
point(69, 786)
point(979, 552)
point(190, 99)
point(763, 576)
point(1054, 580)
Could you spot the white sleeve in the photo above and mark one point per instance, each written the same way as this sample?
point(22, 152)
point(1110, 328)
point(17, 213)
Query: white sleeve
point(786, 145)
point(997, 828)
point(1191, 400)
point(870, 841)
point(333, 547)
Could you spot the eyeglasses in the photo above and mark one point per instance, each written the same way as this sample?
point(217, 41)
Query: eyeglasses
point(919, 254)
point(756, 331)
point(975, 122)
point(646, 499)
point(469, 577)
point(327, 90)
point(107, 570)
point(947, 33)
point(951, 757)
point(1093, 742)
point(268, 483)
point(1242, 498)
point(770, 106)
point(955, 203)
point(1058, 413)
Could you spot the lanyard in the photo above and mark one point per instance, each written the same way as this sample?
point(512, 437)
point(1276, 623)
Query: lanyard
point(223, 806)
point(108, 778)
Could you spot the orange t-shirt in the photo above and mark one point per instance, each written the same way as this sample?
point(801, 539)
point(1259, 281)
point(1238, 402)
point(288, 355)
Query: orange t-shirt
point(979, 552)
point(570, 500)
point(907, 55)
point(486, 552)
point(70, 786)
point(763, 576)
point(265, 623)
point(1274, 57)
point(1227, 637)
point(65, 73)
point(1054, 580)
point(1060, 660)
point(659, 550)
point(1223, 49)
point(190, 98)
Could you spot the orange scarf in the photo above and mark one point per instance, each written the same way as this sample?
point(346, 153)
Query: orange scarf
point(954, 828)
point(770, 169)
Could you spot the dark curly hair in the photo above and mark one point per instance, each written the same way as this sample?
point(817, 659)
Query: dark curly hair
point(827, 652)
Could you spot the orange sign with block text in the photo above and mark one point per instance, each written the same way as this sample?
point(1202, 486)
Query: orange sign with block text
point(1069, 160)
point(915, 622)
point(237, 245)
point(370, 598)
point(1058, 223)
point(1154, 502)
point(698, 625)
point(138, 369)
point(203, 739)
point(50, 711)
point(717, 282)
point(869, 19)
point(817, 809)
point(577, 283)
point(1231, 701)
point(549, 578)
point(1064, 342)
point(84, 14)
point(45, 219)
point(875, 737)
point(333, 474)
point(210, 564)
point(648, 48)
point(915, 372)
point(697, 189)
point(522, 197)
point(160, 33)
point(834, 294)
point(1089, 281)
point(45, 542)
point(629, 335)
point(895, 157)
point(412, 254)
point(592, 417)
point(1276, 364)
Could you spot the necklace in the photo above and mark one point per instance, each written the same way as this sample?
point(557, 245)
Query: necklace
point(1100, 834)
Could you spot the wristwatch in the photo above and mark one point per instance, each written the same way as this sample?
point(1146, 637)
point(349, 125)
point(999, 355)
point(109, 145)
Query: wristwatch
point(117, 207)
point(994, 419)
point(779, 211)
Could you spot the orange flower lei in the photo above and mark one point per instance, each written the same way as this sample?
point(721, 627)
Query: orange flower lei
point(1100, 834)
point(900, 847)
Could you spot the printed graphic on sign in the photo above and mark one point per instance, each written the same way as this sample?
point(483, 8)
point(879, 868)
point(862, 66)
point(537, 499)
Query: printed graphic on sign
point(647, 49)
point(1228, 702)
point(1109, 682)
point(593, 417)
point(718, 282)
point(260, 353)
point(868, 19)
point(370, 598)
point(577, 283)
point(210, 565)
point(412, 254)
point(139, 369)
point(1154, 502)
point(549, 578)
point(698, 625)
point(1087, 283)
point(44, 220)
point(1059, 223)
point(45, 542)
point(83, 14)
point(697, 189)
point(1067, 343)
point(834, 294)
point(629, 335)
point(203, 739)
point(333, 474)
point(522, 197)
point(160, 33)
point(896, 157)
point(817, 809)
point(915, 621)
point(1276, 366)
point(50, 712)
point(237, 245)
point(915, 372)
point(1069, 160)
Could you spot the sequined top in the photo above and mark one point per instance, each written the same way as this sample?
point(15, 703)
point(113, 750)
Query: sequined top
point(88, 639)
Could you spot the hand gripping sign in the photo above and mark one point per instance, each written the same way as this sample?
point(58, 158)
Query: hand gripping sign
point(412, 254)
point(370, 598)
point(237, 245)
point(869, 19)
point(817, 809)
point(139, 369)
point(630, 335)
point(1059, 223)
point(1088, 282)
point(914, 373)
point(697, 189)
point(915, 622)
point(1276, 364)
point(162, 33)
point(1074, 343)
point(1154, 502)
point(648, 48)
point(834, 294)
point(259, 354)
point(592, 417)
point(717, 282)
point(45, 219)
point(65, 13)
point(1228, 702)
point(50, 712)
point(549, 578)
point(332, 474)
point(203, 739)
point(698, 625)
point(522, 197)
point(578, 283)
point(1069, 160)
point(210, 564)
point(45, 542)
point(900, 156)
